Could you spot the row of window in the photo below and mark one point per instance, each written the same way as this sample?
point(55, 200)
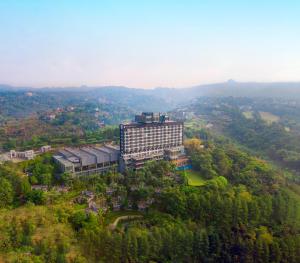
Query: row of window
point(151, 134)
point(147, 140)
point(139, 149)
point(158, 142)
point(153, 130)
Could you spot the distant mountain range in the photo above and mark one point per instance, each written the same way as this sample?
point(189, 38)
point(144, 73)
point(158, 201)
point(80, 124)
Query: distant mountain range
point(158, 99)
point(248, 89)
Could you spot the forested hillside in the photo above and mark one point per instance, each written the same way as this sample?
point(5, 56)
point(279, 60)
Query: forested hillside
point(24, 102)
point(239, 203)
point(268, 127)
point(83, 123)
point(244, 211)
point(30, 118)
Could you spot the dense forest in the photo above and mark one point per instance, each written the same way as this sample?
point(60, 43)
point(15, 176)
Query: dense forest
point(245, 211)
point(269, 127)
point(241, 208)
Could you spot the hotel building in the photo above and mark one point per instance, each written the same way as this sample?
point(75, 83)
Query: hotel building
point(151, 137)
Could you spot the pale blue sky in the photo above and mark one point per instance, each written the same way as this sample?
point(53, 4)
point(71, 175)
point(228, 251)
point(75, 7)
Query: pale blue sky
point(148, 43)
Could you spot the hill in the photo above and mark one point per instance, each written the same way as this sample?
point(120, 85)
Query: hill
point(22, 101)
point(267, 127)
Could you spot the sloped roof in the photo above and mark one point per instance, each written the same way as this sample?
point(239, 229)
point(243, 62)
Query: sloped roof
point(102, 157)
point(90, 155)
point(85, 158)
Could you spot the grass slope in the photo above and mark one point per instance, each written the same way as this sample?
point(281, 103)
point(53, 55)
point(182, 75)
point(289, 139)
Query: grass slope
point(194, 178)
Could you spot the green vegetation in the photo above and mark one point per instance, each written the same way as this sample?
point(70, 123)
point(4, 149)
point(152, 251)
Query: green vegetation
point(46, 134)
point(46, 118)
point(193, 177)
point(194, 123)
point(268, 138)
point(29, 232)
point(245, 211)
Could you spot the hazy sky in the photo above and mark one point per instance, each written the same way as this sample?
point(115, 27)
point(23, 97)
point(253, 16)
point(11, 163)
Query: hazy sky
point(148, 43)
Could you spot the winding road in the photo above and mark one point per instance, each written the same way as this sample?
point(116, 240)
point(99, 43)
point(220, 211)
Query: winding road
point(113, 225)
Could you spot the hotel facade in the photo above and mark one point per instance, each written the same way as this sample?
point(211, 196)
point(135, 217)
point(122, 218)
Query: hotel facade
point(151, 137)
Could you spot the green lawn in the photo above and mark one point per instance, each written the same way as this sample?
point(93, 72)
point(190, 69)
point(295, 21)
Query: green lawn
point(194, 178)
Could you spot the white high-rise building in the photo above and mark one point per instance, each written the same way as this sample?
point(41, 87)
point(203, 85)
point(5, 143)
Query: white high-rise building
point(151, 137)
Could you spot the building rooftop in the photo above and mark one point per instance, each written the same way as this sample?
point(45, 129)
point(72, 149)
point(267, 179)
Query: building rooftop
point(85, 158)
point(65, 153)
point(113, 154)
point(88, 155)
point(101, 156)
point(147, 118)
point(66, 162)
point(152, 124)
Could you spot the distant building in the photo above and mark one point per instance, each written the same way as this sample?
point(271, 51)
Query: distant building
point(27, 155)
point(70, 108)
point(51, 117)
point(45, 148)
point(150, 137)
point(87, 160)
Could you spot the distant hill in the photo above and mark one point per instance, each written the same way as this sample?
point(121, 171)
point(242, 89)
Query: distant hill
point(247, 89)
point(287, 90)
point(21, 101)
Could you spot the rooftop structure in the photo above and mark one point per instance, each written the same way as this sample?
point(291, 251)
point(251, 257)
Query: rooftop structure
point(87, 160)
point(150, 117)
